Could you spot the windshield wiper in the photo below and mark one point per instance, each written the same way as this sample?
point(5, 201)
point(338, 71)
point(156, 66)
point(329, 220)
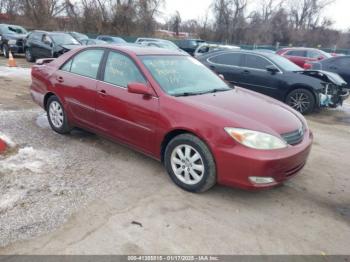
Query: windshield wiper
point(216, 90)
point(188, 94)
point(203, 92)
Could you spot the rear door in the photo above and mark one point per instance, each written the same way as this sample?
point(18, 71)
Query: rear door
point(256, 77)
point(297, 56)
point(228, 65)
point(128, 117)
point(77, 80)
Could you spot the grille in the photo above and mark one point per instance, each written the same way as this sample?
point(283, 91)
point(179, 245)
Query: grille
point(294, 137)
point(20, 42)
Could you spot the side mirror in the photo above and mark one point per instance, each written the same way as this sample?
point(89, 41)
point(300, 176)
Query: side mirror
point(139, 88)
point(272, 69)
point(222, 76)
point(320, 58)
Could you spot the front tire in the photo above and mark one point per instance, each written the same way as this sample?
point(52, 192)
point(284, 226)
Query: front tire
point(190, 163)
point(301, 100)
point(57, 116)
point(5, 51)
point(29, 56)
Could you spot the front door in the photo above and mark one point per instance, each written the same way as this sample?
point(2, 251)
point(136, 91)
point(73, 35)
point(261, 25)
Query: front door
point(256, 77)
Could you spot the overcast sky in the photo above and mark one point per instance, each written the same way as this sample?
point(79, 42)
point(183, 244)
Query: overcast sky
point(339, 11)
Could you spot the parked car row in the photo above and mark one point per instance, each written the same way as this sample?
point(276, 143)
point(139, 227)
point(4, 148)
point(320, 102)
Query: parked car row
point(265, 72)
point(42, 44)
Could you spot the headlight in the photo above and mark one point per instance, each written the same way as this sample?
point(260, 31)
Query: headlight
point(12, 41)
point(255, 139)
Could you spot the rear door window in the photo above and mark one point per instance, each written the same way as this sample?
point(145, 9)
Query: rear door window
point(313, 54)
point(85, 63)
point(231, 59)
point(300, 53)
point(120, 70)
point(256, 62)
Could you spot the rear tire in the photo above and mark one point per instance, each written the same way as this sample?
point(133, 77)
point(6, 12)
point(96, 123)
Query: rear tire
point(57, 116)
point(190, 163)
point(301, 100)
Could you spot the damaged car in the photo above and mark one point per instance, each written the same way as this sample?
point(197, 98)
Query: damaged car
point(41, 44)
point(11, 39)
point(276, 76)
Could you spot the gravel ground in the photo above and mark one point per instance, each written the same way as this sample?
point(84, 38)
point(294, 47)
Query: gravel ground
point(81, 194)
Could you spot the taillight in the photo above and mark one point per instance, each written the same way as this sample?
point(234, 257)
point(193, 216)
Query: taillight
point(307, 66)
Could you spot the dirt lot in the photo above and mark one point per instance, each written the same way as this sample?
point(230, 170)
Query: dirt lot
point(81, 194)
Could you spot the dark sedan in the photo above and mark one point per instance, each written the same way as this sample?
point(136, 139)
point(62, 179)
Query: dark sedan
point(11, 39)
point(338, 64)
point(279, 78)
point(41, 44)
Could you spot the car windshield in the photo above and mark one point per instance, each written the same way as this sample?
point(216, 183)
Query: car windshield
point(183, 75)
point(284, 63)
point(164, 45)
point(118, 40)
point(14, 29)
point(79, 36)
point(326, 55)
point(64, 39)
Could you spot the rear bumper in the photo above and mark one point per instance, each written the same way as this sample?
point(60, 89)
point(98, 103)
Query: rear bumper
point(235, 165)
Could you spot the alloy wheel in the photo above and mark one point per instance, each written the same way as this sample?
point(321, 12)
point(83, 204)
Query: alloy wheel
point(28, 55)
point(4, 51)
point(187, 164)
point(56, 114)
point(300, 102)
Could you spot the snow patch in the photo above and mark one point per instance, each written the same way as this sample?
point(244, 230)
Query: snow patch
point(42, 121)
point(10, 199)
point(26, 159)
point(15, 72)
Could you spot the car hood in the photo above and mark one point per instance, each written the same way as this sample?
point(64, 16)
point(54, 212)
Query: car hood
point(15, 36)
point(247, 109)
point(69, 47)
point(324, 76)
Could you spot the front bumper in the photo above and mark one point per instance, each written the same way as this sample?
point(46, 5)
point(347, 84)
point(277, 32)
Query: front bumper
point(15, 49)
point(235, 165)
point(334, 98)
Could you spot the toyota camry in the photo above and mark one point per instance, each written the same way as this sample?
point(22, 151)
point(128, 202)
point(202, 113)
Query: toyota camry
point(169, 106)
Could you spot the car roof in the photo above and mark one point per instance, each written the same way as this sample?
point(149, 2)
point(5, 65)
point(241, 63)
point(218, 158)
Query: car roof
point(141, 50)
point(300, 48)
point(243, 51)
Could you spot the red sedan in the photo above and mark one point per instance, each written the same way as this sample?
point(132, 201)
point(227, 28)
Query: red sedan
point(302, 56)
point(172, 108)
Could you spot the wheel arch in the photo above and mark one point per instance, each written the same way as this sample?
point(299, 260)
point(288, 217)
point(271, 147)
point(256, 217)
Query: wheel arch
point(46, 99)
point(179, 131)
point(303, 86)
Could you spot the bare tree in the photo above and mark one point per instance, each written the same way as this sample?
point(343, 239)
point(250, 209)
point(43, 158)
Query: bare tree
point(306, 14)
point(176, 22)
